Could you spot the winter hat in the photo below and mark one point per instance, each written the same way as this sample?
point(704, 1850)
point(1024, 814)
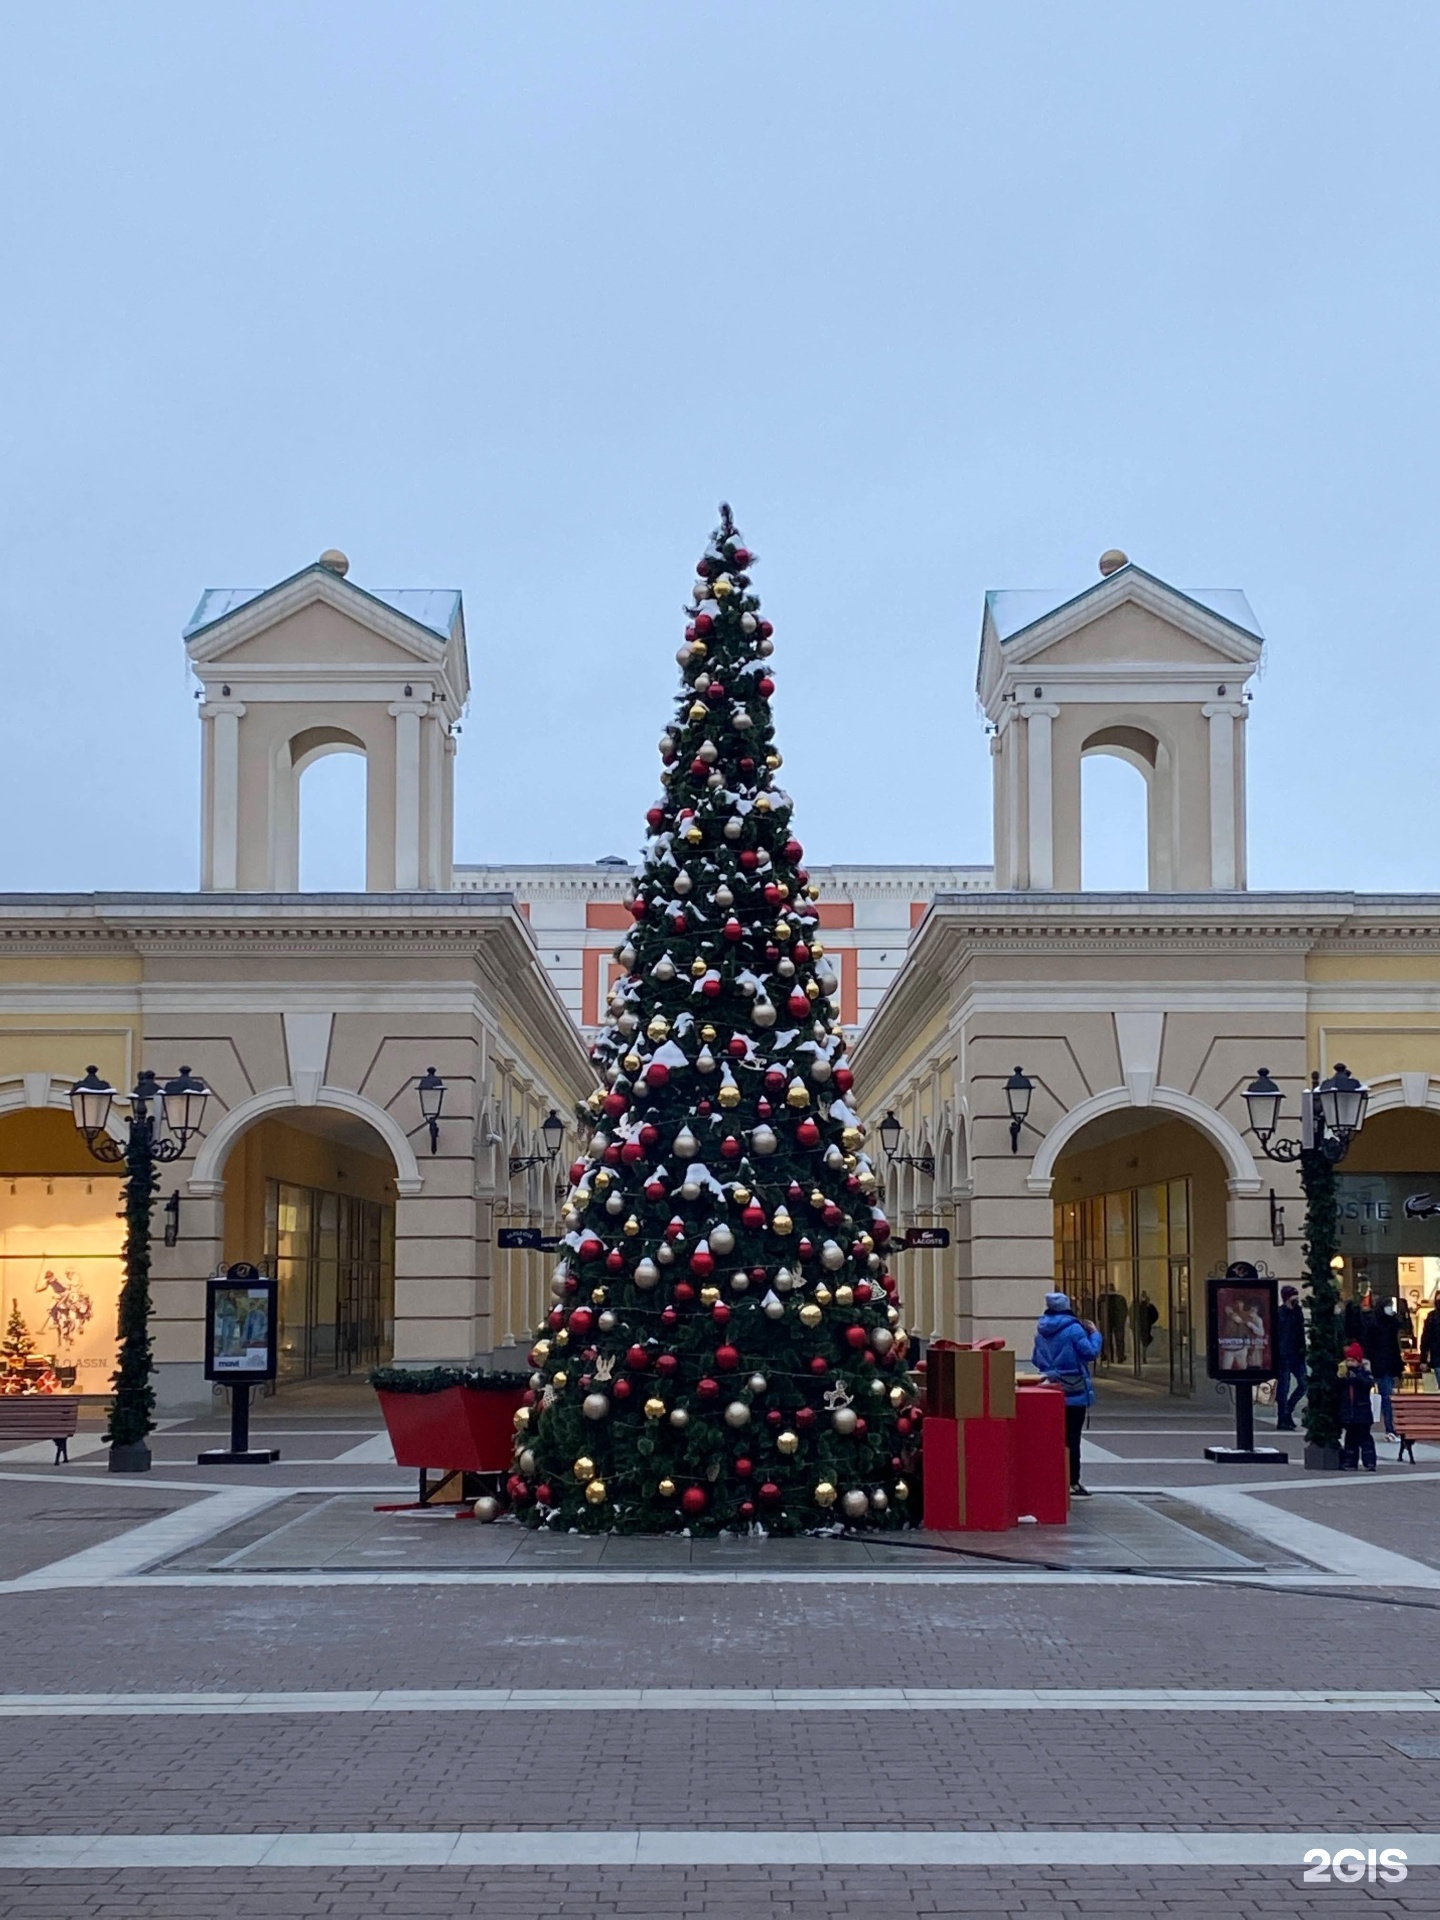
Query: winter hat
point(1354, 1351)
point(1289, 1293)
point(1057, 1303)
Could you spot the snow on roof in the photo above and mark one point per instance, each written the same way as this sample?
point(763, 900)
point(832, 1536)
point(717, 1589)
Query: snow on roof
point(435, 608)
point(1013, 609)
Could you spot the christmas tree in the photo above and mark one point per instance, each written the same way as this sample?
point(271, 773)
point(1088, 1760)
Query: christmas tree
point(724, 1351)
point(18, 1346)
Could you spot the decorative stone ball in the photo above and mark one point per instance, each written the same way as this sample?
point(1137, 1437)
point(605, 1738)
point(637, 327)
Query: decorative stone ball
point(856, 1504)
point(487, 1508)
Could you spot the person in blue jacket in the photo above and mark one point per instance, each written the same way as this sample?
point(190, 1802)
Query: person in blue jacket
point(1065, 1349)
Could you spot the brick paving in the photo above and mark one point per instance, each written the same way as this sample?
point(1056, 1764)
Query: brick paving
point(622, 1768)
point(731, 1893)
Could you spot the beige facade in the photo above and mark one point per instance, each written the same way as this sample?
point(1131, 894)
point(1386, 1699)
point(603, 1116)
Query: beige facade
point(311, 1018)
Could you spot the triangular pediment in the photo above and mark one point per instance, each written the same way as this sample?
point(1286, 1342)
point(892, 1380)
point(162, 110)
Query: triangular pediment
point(317, 619)
point(1129, 621)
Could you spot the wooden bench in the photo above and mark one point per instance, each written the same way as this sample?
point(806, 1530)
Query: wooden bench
point(40, 1416)
point(1417, 1417)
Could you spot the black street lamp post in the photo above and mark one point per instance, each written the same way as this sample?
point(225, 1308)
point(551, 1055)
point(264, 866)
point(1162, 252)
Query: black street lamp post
point(161, 1124)
point(890, 1131)
point(1332, 1112)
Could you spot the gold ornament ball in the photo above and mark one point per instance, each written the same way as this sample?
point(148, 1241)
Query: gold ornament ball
point(697, 710)
point(812, 991)
point(561, 1378)
point(631, 1063)
point(852, 1139)
point(632, 1226)
point(816, 949)
point(741, 1196)
point(729, 1095)
point(773, 760)
point(902, 1490)
point(814, 890)
point(598, 1296)
point(602, 1180)
point(867, 1242)
point(782, 930)
point(666, 1488)
point(824, 1494)
point(810, 1315)
point(659, 1028)
point(707, 1034)
point(654, 1409)
point(522, 1419)
point(823, 1295)
point(595, 1492)
point(709, 1295)
point(762, 803)
point(596, 1101)
point(698, 970)
point(788, 1442)
point(798, 1097)
point(844, 1296)
point(694, 836)
point(584, 1468)
point(897, 1396)
point(699, 649)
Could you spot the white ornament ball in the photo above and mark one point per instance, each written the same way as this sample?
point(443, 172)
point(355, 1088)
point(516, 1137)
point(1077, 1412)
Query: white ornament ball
point(663, 969)
point(526, 1463)
point(748, 623)
point(595, 1406)
point(765, 646)
point(722, 1240)
point(739, 1282)
point(763, 1013)
point(763, 1140)
point(737, 1414)
point(786, 968)
point(881, 1339)
point(880, 1500)
point(647, 1275)
point(723, 896)
point(820, 1069)
point(679, 1417)
point(683, 882)
point(856, 1504)
point(685, 1144)
point(733, 829)
point(773, 1307)
point(690, 1189)
point(758, 1383)
point(844, 1419)
point(832, 1256)
point(665, 1254)
point(487, 1508)
point(741, 720)
point(606, 1322)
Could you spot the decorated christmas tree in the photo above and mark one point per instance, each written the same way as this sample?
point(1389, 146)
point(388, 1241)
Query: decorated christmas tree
point(724, 1350)
point(17, 1348)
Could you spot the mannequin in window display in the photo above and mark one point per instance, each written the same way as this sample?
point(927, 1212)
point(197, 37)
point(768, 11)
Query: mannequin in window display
point(1430, 1340)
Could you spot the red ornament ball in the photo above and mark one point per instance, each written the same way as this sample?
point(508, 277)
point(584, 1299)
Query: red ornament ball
point(693, 1501)
point(648, 1136)
point(769, 1493)
point(844, 1079)
point(804, 1418)
point(711, 985)
point(730, 1148)
point(581, 1321)
point(857, 1338)
point(727, 1359)
point(746, 1509)
point(655, 1189)
point(614, 1105)
point(542, 1493)
point(702, 1262)
point(775, 1080)
point(767, 686)
point(704, 624)
point(707, 1389)
point(720, 1314)
point(655, 818)
point(807, 1134)
point(684, 1292)
point(638, 1358)
point(667, 1364)
point(819, 1364)
point(621, 1389)
point(744, 1467)
point(749, 859)
point(794, 852)
point(590, 1248)
point(631, 1153)
point(737, 1046)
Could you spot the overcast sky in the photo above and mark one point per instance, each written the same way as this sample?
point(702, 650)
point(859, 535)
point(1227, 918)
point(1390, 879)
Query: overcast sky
point(942, 297)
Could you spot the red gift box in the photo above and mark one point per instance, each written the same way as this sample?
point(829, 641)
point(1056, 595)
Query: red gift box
point(1042, 1461)
point(969, 1437)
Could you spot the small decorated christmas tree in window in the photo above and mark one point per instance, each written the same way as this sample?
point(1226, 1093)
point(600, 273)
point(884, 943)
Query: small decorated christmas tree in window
point(724, 1351)
point(17, 1348)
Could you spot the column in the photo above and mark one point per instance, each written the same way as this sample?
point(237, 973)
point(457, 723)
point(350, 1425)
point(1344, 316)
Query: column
point(407, 715)
point(1010, 737)
point(1223, 863)
point(223, 862)
point(1040, 794)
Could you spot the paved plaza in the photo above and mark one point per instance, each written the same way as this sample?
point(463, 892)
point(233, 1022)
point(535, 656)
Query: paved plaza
point(267, 1692)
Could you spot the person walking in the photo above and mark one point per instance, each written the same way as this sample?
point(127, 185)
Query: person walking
point(1381, 1341)
point(1289, 1358)
point(1356, 1418)
point(1065, 1350)
point(1430, 1343)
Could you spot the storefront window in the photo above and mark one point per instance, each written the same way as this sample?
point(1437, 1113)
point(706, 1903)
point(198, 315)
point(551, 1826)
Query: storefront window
point(1124, 1259)
point(334, 1257)
point(60, 1269)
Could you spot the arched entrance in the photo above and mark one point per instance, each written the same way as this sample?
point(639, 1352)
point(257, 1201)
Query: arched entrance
point(1140, 1214)
point(309, 1196)
point(60, 1245)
